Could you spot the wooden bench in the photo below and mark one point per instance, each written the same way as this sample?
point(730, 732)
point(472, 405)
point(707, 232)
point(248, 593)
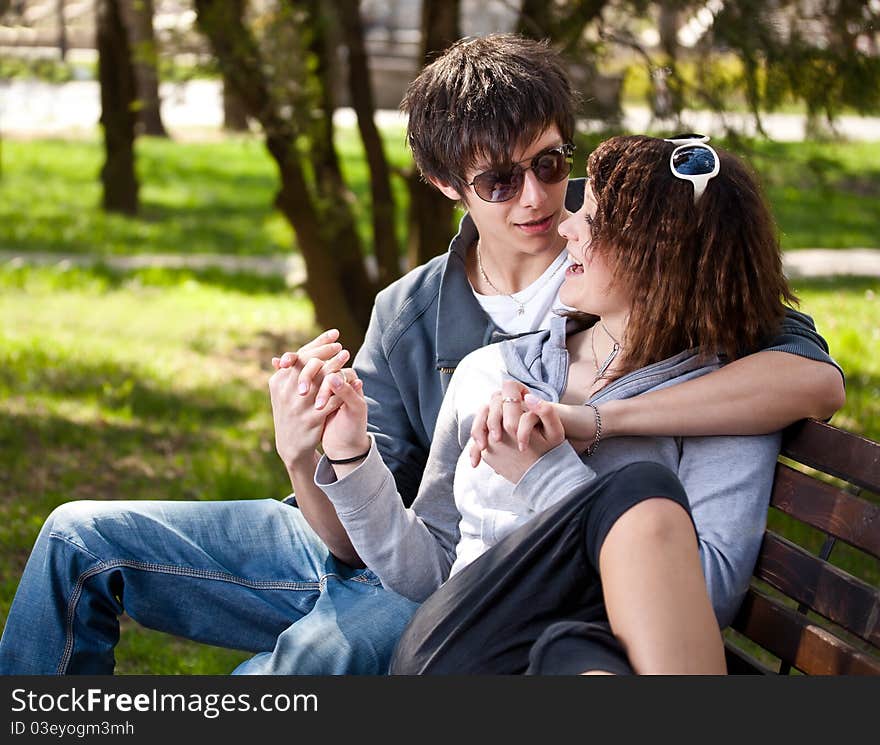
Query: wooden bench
point(806, 614)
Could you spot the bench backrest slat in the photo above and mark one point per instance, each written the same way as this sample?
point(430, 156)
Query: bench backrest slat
point(834, 451)
point(831, 592)
point(828, 508)
point(792, 637)
point(816, 586)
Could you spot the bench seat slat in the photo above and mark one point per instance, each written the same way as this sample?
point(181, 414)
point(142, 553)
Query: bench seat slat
point(795, 639)
point(831, 592)
point(740, 663)
point(833, 451)
point(828, 508)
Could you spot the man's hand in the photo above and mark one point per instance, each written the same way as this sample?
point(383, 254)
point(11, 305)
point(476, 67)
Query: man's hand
point(309, 359)
point(293, 389)
point(514, 431)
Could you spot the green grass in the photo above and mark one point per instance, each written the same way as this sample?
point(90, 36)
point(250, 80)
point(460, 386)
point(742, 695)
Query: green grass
point(137, 386)
point(824, 195)
point(216, 197)
point(206, 197)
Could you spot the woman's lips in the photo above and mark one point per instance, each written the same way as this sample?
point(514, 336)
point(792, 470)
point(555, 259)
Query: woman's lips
point(573, 269)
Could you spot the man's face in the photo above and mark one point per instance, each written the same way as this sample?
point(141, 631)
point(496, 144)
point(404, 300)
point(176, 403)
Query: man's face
point(528, 223)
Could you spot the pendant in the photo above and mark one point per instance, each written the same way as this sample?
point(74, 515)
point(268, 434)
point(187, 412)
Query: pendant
point(521, 311)
point(608, 360)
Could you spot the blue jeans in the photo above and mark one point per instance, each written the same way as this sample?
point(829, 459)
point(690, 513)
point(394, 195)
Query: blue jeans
point(249, 575)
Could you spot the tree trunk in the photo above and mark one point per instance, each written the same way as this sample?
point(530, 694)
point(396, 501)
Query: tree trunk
point(117, 97)
point(4, 6)
point(62, 30)
point(235, 117)
point(331, 190)
point(137, 15)
point(535, 19)
point(385, 244)
point(430, 213)
point(336, 282)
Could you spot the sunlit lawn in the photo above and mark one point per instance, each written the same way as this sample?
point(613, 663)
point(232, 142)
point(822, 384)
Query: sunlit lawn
point(151, 385)
point(196, 197)
point(216, 197)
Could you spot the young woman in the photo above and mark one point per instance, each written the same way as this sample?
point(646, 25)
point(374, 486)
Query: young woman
point(556, 555)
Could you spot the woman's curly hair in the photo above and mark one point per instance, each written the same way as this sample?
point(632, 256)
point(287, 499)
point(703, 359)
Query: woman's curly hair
point(705, 276)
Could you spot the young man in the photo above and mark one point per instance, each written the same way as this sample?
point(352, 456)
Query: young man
point(490, 123)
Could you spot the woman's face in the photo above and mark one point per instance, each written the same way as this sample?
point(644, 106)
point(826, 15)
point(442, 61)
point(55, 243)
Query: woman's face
point(588, 285)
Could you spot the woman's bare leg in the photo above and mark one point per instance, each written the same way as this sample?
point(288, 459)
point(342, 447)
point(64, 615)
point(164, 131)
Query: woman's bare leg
point(655, 592)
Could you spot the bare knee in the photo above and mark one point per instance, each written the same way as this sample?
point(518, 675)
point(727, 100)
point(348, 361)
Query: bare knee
point(656, 523)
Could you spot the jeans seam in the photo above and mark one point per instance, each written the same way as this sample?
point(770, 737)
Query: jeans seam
point(77, 546)
point(163, 569)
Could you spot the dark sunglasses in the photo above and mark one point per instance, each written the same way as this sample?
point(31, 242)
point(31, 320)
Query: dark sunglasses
point(500, 185)
point(693, 160)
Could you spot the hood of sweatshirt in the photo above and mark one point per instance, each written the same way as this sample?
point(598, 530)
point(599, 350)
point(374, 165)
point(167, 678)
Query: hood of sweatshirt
point(540, 362)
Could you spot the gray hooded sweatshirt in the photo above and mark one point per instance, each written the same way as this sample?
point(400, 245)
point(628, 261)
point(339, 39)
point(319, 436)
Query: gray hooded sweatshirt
point(461, 511)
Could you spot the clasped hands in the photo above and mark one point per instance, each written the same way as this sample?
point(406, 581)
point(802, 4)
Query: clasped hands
point(516, 428)
point(317, 400)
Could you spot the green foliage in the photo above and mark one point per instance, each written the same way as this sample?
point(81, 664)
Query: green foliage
point(41, 68)
point(798, 50)
point(762, 56)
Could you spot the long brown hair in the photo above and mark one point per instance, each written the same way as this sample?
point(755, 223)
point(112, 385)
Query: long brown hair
point(705, 276)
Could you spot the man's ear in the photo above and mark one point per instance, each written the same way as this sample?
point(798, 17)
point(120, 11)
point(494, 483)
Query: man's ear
point(446, 189)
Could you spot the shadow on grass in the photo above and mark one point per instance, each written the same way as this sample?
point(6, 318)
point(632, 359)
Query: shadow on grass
point(838, 283)
point(119, 388)
point(47, 459)
point(100, 276)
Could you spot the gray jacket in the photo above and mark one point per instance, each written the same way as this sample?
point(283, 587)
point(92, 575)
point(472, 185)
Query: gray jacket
point(425, 323)
point(413, 550)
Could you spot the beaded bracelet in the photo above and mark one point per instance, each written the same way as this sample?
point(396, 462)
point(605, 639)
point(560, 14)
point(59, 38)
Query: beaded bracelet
point(592, 449)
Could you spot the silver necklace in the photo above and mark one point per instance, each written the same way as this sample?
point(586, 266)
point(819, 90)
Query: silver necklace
point(602, 369)
point(521, 304)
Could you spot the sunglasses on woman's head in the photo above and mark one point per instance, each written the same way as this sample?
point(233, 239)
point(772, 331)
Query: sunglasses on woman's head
point(502, 184)
point(693, 160)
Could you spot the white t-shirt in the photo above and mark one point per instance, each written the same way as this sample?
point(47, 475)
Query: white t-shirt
point(538, 301)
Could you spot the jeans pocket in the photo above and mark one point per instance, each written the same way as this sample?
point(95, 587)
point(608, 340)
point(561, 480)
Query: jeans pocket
point(367, 576)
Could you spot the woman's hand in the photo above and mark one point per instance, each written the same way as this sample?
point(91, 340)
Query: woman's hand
point(514, 431)
point(497, 420)
point(345, 429)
